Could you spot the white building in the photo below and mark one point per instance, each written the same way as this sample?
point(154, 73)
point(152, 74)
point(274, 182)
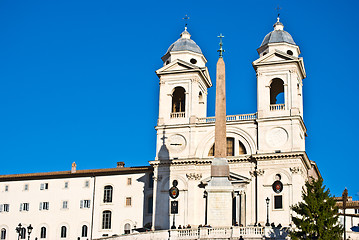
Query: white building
point(266, 155)
point(263, 148)
point(67, 205)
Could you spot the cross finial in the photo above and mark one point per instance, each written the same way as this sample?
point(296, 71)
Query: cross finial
point(278, 10)
point(221, 50)
point(186, 21)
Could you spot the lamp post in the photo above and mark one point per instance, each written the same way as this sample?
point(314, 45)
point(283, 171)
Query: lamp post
point(267, 201)
point(19, 230)
point(29, 230)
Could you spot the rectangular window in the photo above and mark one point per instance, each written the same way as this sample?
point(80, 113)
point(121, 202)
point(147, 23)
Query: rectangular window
point(356, 211)
point(44, 206)
point(128, 201)
point(66, 185)
point(24, 207)
point(87, 184)
point(64, 204)
point(85, 203)
point(129, 181)
point(26, 187)
point(278, 202)
point(6, 188)
point(230, 146)
point(44, 186)
point(4, 207)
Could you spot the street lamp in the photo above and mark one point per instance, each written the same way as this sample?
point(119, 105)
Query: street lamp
point(267, 201)
point(19, 230)
point(29, 230)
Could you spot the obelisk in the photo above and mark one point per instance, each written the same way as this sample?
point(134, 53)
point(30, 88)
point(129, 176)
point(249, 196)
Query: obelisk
point(219, 188)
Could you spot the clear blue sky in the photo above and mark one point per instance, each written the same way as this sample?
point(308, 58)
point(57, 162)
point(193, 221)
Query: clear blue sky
point(78, 82)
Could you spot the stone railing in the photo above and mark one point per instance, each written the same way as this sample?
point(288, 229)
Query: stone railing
point(230, 118)
point(200, 233)
point(276, 107)
point(177, 115)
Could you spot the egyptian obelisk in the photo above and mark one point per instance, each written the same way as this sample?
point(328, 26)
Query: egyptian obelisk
point(219, 188)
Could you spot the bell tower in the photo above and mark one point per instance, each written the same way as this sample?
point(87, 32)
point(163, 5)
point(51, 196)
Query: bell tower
point(280, 72)
point(184, 80)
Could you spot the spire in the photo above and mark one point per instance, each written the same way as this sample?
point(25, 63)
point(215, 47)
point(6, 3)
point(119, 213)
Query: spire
point(221, 50)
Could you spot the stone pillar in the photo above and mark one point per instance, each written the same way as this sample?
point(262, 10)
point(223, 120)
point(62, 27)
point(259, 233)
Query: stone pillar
point(154, 198)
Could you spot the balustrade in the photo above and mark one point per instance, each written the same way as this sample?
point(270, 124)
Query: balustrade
point(276, 107)
point(230, 118)
point(177, 115)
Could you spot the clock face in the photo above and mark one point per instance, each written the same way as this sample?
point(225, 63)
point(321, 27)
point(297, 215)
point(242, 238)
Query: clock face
point(176, 143)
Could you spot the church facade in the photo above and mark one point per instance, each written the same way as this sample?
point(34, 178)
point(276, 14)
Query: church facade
point(266, 154)
point(265, 150)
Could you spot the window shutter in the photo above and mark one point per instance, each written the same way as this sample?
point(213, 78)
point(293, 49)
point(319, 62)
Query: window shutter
point(40, 206)
point(89, 203)
point(20, 207)
point(41, 186)
point(81, 203)
point(1, 206)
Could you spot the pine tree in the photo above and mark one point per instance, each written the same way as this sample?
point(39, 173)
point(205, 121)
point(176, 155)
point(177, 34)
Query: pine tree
point(317, 215)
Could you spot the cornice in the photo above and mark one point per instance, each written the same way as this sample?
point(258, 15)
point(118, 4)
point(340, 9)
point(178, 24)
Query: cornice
point(237, 159)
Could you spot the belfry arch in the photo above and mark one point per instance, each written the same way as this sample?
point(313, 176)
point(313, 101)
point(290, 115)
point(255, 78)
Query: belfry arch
point(277, 91)
point(178, 100)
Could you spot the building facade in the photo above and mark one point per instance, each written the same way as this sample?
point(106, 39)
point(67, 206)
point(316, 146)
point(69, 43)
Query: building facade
point(265, 151)
point(83, 204)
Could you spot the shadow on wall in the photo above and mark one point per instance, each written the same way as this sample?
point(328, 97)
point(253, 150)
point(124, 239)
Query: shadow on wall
point(147, 180)
point(162, 213)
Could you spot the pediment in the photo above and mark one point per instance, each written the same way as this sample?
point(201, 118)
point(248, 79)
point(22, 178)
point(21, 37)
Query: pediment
point(276, 56)
point(233, 178)
point(177, 65)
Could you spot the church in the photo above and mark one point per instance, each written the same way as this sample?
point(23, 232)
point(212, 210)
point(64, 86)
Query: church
point(264, 153)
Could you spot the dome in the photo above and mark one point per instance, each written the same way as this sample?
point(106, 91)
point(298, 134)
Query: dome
point(185, 43)
point(278, 35)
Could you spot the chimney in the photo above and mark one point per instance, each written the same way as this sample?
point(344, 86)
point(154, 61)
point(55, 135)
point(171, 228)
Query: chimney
point(120, 164)
point(73, 167)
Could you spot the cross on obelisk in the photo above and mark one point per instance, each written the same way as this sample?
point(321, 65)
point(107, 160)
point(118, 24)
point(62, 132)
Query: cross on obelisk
point(219, 189)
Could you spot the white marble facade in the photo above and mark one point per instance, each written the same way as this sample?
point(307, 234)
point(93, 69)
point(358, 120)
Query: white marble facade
point(268, 145)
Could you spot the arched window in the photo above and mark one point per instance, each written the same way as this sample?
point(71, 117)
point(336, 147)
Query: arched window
point(63, 232)
point(43, 232)
point(84, 231)
point(230, 148)
point(242, 150)
point(200, 97)
point(107, 196)
point(127, 228)
point(23, 233)
point(3, 233)
point(106, 219)
point(277, 91)
point(178, 100)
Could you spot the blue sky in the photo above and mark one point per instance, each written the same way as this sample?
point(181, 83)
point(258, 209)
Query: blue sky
point(78, 82)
